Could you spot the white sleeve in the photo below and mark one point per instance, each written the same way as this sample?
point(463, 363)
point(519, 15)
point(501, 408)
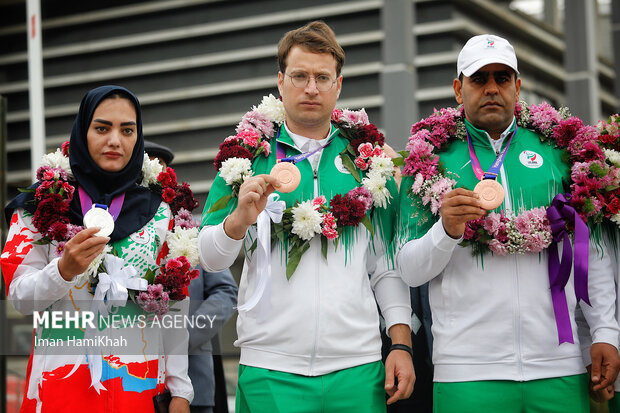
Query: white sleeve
point(36, 282)
point(430, 253)
point(217, 250)
point(391, 293)
point(601, 315)
point(176, 342)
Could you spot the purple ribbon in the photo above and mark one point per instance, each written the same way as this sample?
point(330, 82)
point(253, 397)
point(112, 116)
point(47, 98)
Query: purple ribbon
point(115, 207)
point(560, 213)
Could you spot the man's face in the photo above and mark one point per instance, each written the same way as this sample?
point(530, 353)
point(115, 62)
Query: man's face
point(489, 97)
point(307, 107)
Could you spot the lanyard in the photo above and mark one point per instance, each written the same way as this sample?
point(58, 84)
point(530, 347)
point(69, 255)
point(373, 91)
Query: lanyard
point(495, 167)
point(115, 207)
point(281, 153)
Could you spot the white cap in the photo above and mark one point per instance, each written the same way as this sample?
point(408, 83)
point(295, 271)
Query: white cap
point(483, 50)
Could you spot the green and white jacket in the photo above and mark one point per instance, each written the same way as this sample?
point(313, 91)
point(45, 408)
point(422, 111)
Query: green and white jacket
point(325, 317)
point(493, 316)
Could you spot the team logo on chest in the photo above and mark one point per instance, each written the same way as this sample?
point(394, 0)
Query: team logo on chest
point(141, 237)
point(531, 159)
point(340, 166)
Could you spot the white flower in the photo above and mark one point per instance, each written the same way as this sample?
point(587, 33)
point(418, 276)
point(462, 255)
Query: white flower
point(375, 183)
point(150, 170)
point(612, 156)
point(306, 220)
point(273, 108)
point(184, 241)
point(94, 265)
point(382, 165)
point(616, 218)
point(234, 169)
point(57, 160)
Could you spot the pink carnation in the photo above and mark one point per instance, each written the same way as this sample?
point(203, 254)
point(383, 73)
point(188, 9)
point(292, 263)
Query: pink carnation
point(544, 116)
point(249, 137)
point(266, 147)
point(319, 201)
point(365, 150)
point(337, 115)
point(361, 163)
point(256, 121)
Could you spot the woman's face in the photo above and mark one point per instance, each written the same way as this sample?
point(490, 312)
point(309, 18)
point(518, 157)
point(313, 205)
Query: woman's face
point(112, 134)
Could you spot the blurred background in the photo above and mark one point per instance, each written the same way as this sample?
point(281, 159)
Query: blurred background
point(198, 65)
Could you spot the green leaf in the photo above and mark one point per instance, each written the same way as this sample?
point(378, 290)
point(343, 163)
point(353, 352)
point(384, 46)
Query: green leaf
point(368, 224)
point(400, 161)
point(26, 189)
point(220, 204)
point(348, 163)
point(253, 247)
point(324, 246)
point(404, 154)
point(294, 256)
point(149, 275)
point(351, 150)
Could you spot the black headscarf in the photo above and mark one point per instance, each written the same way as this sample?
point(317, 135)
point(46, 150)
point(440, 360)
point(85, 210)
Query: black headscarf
point(140, 204)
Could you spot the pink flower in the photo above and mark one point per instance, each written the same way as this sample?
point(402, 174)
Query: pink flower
point(417, 184)
point(330, 233)
point(65, 148)
point(249, 137)
point(256, 121)
point(319, 201)
point(336, 115)
point(497, 247)
point(544, 116)
point(361, 163)
point(492, 224)
point(355, 118)
point(361, 194)
point(365, 150)
point(266, 147)
point(378, 151)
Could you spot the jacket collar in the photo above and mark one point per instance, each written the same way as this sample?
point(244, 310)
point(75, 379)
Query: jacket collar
point(480, 137)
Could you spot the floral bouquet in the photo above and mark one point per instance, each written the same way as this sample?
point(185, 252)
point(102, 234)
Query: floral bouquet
point(609, 139)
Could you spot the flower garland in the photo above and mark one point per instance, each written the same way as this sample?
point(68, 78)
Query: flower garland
point(530, 231)
point(609, 140)
point(53, 197)
point(307, 219)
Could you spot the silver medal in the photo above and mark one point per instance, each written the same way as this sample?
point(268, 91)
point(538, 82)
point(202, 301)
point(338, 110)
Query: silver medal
point(99, 217)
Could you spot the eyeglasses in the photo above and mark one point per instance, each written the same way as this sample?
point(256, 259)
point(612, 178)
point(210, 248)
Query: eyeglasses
point(300, 80)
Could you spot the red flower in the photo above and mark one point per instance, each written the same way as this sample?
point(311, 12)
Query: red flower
point(361, 163)
point(52, 208)
point(184, 199)
point(368, 133)
point(348, 211)
point(566, 131)
point(613, 207)
point(65, 148)
point(168, 178)
point(168, 195)
point(57, 231)
point(232, 151)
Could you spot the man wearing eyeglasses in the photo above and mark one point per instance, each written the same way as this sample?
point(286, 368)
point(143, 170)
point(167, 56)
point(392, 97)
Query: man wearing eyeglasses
point(317, 348)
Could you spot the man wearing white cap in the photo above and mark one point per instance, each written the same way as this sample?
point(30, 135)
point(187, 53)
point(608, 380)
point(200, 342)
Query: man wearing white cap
point(501, 342)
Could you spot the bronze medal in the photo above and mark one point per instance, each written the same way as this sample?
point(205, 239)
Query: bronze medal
point(287, 175)
point(491, 193)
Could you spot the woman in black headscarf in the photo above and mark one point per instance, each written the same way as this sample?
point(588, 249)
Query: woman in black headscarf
point(50, 263)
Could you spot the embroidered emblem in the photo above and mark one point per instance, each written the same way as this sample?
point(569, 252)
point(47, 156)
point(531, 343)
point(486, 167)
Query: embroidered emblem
point(141, 237)
point(340, 166)
point(531, 159)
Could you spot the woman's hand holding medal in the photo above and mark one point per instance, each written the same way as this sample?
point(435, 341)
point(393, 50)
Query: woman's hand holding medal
point(458, 207)
point(80, 251)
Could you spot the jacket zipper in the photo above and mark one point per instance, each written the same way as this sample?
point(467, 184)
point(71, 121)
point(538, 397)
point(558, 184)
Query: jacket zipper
point(317, 283)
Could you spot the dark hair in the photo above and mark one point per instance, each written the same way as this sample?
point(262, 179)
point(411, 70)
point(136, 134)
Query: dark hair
point(316, 37)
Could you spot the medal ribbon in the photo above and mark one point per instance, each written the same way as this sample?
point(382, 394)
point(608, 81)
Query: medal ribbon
point(281, 153)
point(115, 207)
point(495, 167)
point(560, 213)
